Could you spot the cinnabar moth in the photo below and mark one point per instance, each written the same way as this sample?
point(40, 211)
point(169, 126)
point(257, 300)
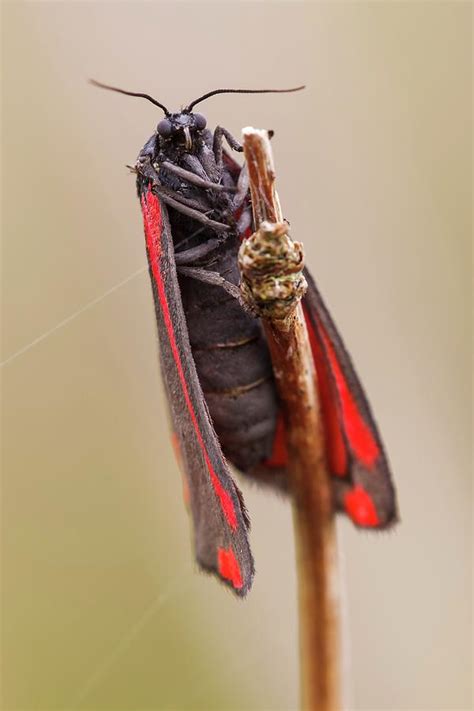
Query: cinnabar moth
point(214, 357)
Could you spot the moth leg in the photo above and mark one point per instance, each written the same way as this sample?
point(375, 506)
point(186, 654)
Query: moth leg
point(145, 167)
point(191, 177)
point(219, 135)
point(204, 165)
point(213, 278)
point(179, 206)
point(194, 164)
point(201, 206)
point(208, 162)
point(189, 256)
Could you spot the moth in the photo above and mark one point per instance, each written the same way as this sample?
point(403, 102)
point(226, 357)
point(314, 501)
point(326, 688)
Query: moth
point(214, 357)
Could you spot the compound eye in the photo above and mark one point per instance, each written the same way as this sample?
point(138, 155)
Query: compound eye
point(165, 128)
point(200, 121)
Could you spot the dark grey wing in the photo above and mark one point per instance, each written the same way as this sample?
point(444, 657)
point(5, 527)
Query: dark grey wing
point(355, 452)
point(220, 520)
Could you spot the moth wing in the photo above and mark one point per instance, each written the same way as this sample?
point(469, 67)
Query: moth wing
point(362, 480)
point(219, 516)
point(356, 457)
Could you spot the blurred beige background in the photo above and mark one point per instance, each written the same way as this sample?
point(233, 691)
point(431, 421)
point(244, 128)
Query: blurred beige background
point(102, 605)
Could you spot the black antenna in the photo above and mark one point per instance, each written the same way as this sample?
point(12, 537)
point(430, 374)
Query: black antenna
point(130, 93)
point(241, 91)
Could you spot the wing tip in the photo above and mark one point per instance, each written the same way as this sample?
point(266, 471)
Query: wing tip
point(234, 575)
point(366, 507)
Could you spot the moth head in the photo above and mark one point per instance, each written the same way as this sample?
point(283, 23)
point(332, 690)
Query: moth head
point(184, 127)
point(181, 128)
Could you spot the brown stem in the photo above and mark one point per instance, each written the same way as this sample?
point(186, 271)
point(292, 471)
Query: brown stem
point(313, 511)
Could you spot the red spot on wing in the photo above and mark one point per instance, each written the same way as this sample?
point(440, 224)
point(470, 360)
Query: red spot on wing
point(153, 228)
point(279, 455)
point(361, 439)
point(361, 508)
point(228, 567)
point(335, 445)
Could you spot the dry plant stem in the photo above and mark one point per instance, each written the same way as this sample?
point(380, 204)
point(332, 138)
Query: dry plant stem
point(313, 511)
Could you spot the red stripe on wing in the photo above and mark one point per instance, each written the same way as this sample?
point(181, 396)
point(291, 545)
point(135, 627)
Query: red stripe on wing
point(359, 435)
point(153, 229)
point(335, 444)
